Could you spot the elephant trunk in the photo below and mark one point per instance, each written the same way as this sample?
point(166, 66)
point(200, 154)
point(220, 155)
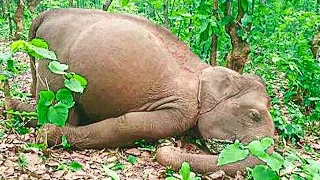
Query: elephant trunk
point(200, 163)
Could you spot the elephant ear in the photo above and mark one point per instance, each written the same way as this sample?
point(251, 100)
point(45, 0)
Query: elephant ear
point(216, 85)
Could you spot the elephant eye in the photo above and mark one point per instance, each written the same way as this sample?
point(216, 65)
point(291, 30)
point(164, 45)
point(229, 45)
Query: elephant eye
point(255, 115)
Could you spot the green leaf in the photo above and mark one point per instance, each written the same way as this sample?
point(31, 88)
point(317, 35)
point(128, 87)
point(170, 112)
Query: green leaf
point(40, 53)
point(262, 172)
point(185, 171)
point(247, 19)
point(226, 20)
point(10, 65)
point(65, 96)
point(124, 2)
point(74, 85)
point(267, 142)
point(232, 153)
point(244, 4)
point(111, 173)
point(65, 142)
point(39, 43)
point(275, 161)
point(132, 159)
point(118, 166)
point(42, 112)
point(46, 97)
point(314, 99)
point(3, 77)
point(16, 45)
point(40, 146)
point(57, 68)
point(258, 150)
point(75, 166)
point(82, 80)
point(58, 114)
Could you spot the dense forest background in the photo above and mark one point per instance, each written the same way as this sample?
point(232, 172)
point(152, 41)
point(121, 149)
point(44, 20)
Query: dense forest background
point(276, 39)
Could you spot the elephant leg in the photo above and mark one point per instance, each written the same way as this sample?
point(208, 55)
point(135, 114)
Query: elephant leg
point(200, 163)
point(123, 131)
point(17, 105)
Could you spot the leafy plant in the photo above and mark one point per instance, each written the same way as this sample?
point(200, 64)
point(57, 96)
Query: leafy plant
point(22, 161)
point(111, 173)
point(64, 142)
point(290, 164)
point(185, 173)
point(75, 166)
point(132, 159)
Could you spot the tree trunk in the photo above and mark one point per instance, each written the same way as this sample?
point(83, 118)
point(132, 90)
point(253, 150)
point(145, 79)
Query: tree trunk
point(8, 16)
point(316, 44)
point(32, 5)
point(165, 14)
point(215, 39)
point(106, 5)
point(71, 3)
point(19, 20)
point(240, 48)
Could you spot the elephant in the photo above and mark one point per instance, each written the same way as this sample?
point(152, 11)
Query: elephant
point(144, 83)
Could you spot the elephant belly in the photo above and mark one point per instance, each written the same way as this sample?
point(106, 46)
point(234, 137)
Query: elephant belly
point(125, 65)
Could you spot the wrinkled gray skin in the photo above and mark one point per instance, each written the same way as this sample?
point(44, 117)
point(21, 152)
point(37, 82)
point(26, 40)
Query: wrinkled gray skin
point(144, 83)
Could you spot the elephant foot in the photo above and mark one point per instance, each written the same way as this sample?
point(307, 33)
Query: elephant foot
point(52, 135)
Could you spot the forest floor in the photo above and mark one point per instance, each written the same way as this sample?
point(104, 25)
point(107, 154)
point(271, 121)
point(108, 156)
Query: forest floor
point(21, 159)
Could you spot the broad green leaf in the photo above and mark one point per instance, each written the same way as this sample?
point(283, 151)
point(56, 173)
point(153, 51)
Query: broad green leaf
point(267, 142)
point(42, 111)
point(65, 96)
point(111, 173)
point(75, 166)
point(275, 161)
point(16, 45)
point(74, 85)
point(46, 97)
point(57, 68)
point(58, 114)
point(232, 153)
point(81, 79)
point(258, 150)
point(132, 159)
point(39, 43)
point(40, 53)
point(262, 172)
point(65, 142)
point(185, 171)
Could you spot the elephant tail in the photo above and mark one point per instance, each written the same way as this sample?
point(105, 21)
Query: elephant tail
point(200, 163)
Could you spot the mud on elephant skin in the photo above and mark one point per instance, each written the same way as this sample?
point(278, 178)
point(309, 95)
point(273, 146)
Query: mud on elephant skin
point(144, 83)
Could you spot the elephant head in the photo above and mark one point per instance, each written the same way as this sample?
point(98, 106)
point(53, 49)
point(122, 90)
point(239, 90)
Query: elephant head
point(232, 106)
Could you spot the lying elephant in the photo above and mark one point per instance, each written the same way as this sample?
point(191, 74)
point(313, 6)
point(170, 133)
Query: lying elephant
point(144, 83)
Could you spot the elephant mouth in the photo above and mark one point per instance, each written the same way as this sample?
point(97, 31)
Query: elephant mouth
point(215, 146)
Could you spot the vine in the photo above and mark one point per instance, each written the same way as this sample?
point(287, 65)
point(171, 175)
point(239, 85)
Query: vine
point(52, 107)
